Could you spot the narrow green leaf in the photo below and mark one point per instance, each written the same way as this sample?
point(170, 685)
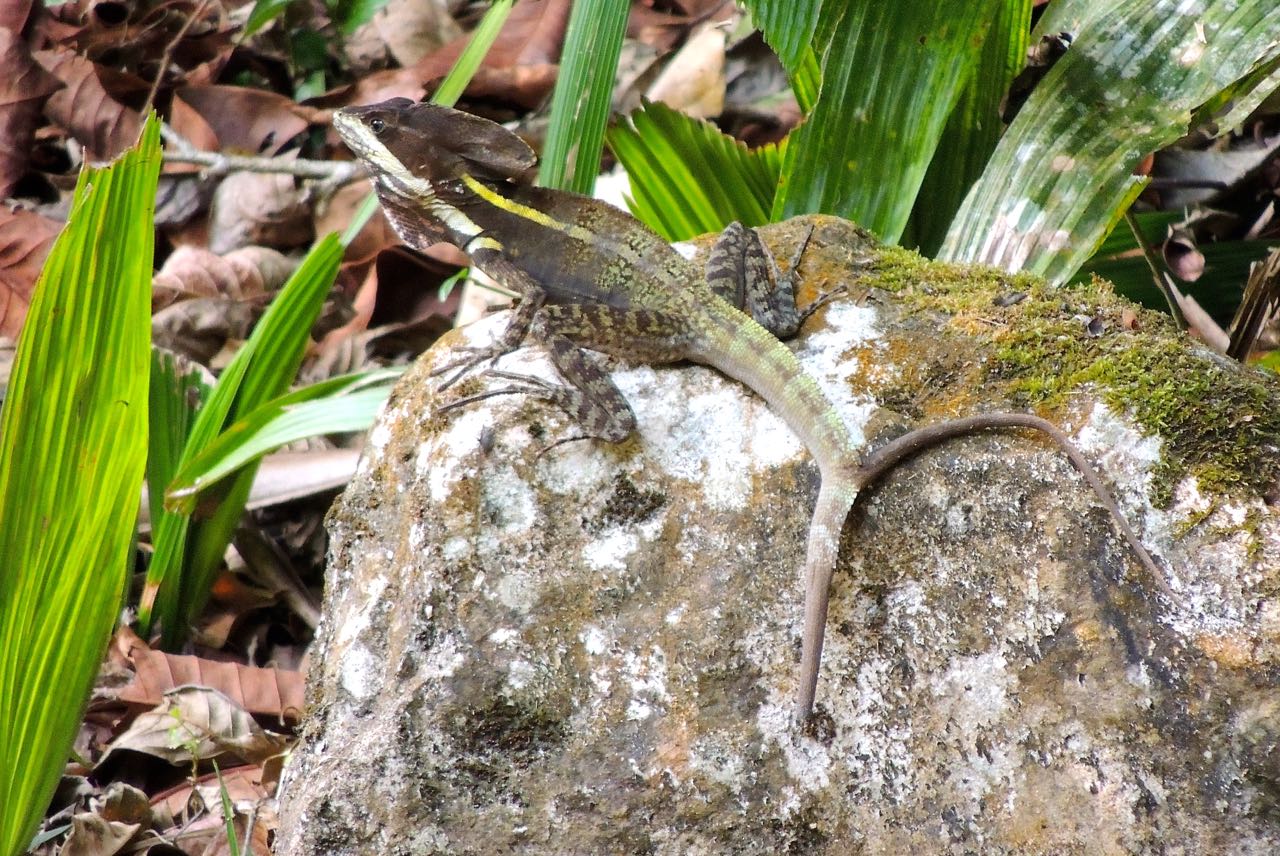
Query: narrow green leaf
point(1130, 84)
point(688, 177)
point(793, 29)
point(349, 15)
point(892, 74)
point(263, 13)
point(337, 405)
point(973, 129)
point(464, 68)
point(186, 554)
point(177, 390)
point(788, 26)
point(580, 104)
point(73, 444)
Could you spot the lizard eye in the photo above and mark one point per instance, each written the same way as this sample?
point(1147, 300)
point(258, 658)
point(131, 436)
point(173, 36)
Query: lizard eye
point(377, 126)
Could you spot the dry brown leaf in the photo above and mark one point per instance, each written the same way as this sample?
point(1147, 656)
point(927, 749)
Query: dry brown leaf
point(269, 692)
point(141, 36)
point(693, 82)
point(411, 29)
point(526, 86)
point(533, 34)
point(93, 836)
point(123, 803)
point(531, 38)
point(101, 124)
point(192, 272)
point(25, 241)
point(24, 86)
point(375, 237)
point(15, 13)
point(251, 121)
point(363, 305)
point(258, 208)
point(205, 833)
point(194, 129)
point(521, 66)
point(243, 784)
point(375, 87)
point(201, 327)
point(196, 723)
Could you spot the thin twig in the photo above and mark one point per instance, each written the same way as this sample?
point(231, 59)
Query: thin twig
point(1165, 287)
point(329, 175)
point(217, 163)
point(166, 59)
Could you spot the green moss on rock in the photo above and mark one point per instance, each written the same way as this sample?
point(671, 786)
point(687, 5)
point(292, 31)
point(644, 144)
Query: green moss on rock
point(1220, 422)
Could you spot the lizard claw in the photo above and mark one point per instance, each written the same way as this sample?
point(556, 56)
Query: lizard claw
point(525, 385)
point(820, 301)
point(470, 357)
point(827, 296)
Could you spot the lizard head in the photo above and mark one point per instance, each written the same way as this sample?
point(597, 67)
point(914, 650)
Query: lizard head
point(408, 145)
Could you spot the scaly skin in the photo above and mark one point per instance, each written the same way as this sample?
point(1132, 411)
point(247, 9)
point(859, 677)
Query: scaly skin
point(591, 276)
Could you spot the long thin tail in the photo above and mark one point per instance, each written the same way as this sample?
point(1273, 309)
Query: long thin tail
point(835, 499)
point(838, 493)
point(891, 454)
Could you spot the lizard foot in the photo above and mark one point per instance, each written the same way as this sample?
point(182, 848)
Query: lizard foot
point(468, 359)
point(522, 384)
point(827, 296)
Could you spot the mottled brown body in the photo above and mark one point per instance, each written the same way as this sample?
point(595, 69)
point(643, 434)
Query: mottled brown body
point(591, 276)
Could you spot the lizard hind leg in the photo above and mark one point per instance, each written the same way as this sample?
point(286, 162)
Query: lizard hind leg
point(741, 270)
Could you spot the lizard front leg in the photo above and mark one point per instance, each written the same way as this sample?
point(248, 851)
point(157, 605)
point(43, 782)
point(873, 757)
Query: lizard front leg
point(532, 297)
point(588, 395)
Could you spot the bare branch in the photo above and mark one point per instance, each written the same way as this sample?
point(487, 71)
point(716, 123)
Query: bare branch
point(331, 174)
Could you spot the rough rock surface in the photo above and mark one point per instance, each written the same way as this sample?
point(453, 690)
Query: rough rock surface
point(594, 650)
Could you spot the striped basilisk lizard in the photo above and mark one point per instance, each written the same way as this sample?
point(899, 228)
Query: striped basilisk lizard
point(588, 275)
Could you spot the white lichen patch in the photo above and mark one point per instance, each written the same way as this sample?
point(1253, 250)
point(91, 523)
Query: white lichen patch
point(417, 536)
point(808, 761)
point(1212, 569)
point(715, 757)
point(879, 745)
point(647, 678)
point(509, 501)
point(610, 551)
point(973, 695)
point(848, 325)
point(456, 548)
point(582, 469)
point(447, 458)
point(504, 636)
point(375, 443)
point(520, 673)
point(693, 427)
point(359, 674)
point(516, 590)
point(594, 641)
point(442, 660)
point(1123, 454)
point(358, 623)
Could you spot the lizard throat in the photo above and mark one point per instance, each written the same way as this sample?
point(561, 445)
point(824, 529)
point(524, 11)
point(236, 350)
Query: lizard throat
point(420, 194)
